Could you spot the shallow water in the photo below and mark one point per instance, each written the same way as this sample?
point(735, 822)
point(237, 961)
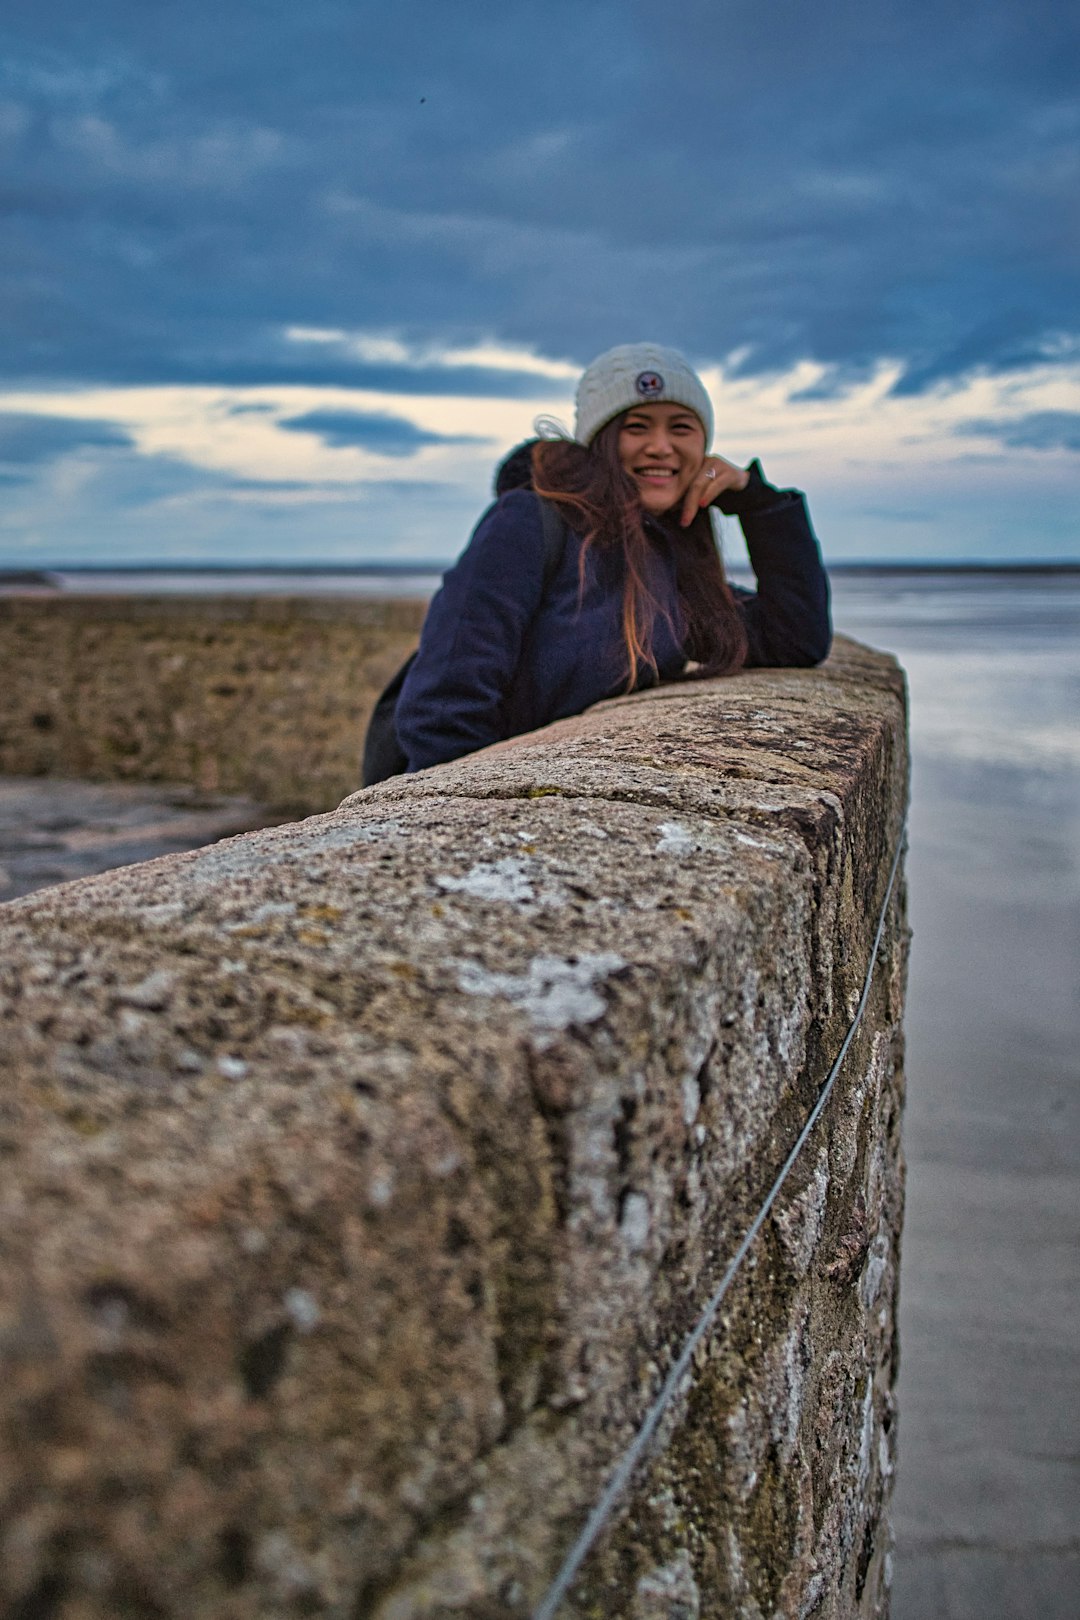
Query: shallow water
point(988, 1490)
point(994, 869)
point(252, 581)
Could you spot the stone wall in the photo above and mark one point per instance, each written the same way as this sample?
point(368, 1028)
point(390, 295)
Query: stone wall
point(261, 695)
point(362, 1178)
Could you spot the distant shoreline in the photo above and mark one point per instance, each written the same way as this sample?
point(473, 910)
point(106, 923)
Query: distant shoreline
point(55, 575)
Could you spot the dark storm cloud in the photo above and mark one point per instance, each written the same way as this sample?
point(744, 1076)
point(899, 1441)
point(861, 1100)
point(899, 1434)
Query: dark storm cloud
point(886, 180)
point(27, 440)
point(369, 430)
point(1038, 430)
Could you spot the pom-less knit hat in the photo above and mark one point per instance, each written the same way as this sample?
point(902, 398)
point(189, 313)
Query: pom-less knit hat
point(638, 374)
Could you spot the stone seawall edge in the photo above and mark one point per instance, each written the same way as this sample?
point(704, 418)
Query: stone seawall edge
point(267, 696)
point(363, 1176)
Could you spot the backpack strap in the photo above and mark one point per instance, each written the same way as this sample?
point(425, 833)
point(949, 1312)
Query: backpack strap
point(555, 532)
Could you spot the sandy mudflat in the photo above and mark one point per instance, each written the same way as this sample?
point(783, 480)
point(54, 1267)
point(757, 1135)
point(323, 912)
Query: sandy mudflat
point(52, 831)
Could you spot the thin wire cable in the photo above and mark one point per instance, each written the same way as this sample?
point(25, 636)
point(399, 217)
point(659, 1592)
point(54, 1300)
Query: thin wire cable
point(632, 1456)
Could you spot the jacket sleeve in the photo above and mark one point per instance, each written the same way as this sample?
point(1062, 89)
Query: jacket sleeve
point(453, 700)
point(787, 620)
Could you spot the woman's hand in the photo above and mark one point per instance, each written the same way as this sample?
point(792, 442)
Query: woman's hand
point(715, 476)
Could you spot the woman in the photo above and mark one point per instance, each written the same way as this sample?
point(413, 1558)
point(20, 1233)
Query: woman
point(516, 638)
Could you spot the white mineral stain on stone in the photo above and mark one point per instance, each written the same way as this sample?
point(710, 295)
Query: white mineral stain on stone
point(735, 1560)
point(845, 1136)
point(554, 993)
point(634, 1224)
point(233, 1068)
point(112, 1316)
point(264, 912)
point(669, 1592)
point(269, 908)
point(866, 1436)
point(381, 1188)
point(799, 1222)
point(876, 1262)
point(814, 1589)
point(372, 831)
point(152, 992)
point(303, 1308)
point(676, 839)
point(510, 879)
point(254, 852)
point(788, 1388)
point(165, 911)
point(668, 1510)
point(755, 843)
point(746, 1447)
point(691, 1099)
point(277, 1558)
point(514, 879)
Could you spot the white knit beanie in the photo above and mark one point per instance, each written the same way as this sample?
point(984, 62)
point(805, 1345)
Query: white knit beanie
point(638, 374)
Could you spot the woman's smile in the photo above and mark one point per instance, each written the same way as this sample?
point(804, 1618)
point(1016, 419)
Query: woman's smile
point(662, 447)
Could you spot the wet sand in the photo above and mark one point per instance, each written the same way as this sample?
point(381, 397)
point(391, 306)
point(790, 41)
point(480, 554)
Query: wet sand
point(987, 1504)
point(52, 831)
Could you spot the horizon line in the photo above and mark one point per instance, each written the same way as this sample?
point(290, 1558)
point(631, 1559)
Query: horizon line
point(431, 565)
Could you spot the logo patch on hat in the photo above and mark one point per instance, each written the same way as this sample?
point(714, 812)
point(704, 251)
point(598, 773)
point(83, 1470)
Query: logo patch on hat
point(649, 384)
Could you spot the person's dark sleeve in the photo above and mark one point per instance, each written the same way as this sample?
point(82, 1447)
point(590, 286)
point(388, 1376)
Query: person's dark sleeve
point(454, 696)
point(787, 619)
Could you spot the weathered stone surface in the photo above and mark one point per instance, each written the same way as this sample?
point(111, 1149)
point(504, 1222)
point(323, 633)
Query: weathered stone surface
point(361, 1178)
point(266, 696)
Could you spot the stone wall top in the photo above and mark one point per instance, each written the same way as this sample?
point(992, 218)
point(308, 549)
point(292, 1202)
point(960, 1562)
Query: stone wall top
point(361, 1175)
point(92, 607)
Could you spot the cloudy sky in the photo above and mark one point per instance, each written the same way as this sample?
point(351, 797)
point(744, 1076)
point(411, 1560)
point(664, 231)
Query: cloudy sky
point(281, 282)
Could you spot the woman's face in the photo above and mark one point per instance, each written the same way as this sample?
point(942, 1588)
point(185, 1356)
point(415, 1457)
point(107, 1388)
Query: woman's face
point(662, 447)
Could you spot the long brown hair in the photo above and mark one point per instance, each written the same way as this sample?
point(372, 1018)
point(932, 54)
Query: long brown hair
point(600, 503)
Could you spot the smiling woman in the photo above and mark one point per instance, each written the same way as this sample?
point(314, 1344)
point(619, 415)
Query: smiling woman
point(597, 572)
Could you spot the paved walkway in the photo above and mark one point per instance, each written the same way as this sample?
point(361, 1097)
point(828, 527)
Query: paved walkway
point(51, 831)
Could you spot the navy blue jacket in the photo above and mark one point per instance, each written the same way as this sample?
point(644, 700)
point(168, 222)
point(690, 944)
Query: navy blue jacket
point(499, 655)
